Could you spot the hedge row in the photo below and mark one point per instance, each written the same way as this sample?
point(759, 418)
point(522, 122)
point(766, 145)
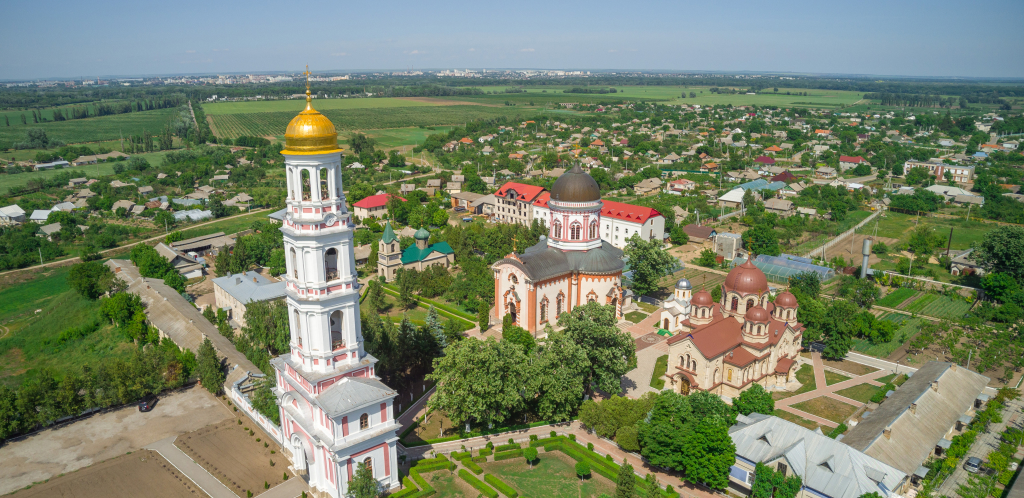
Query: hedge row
point(424, 488)
point(442, 309)
point(459, 455)
point(471, 465)
point(479, 459)
point(506, 447)
point(580, 453)
point(467, 435)
point(478, 484)
point(501, 486)
point(486, 452)
point(505, 455)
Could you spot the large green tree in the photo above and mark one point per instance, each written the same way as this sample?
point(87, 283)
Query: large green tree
point(625, 482)
point(90, 279)
point(762, 239)
point(210, 368)
point(486, 381)
point(755, 399)
point(1002, 250)
point(364, 485)
point(708, 453)
point(611, 351)
point(560, 370)
point(648, 261)
point(838, 328)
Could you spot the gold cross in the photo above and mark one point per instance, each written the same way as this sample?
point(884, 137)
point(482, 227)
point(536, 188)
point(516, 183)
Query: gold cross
point(307, 73)
point(515, 239)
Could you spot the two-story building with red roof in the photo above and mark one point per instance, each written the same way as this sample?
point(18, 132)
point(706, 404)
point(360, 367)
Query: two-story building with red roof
point(513, 203)
point(619, 221)
point(374, 206)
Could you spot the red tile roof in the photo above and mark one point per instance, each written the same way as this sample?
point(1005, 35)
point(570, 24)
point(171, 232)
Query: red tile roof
point(374, 201)
point(774, 148)
point(466, 140)
point(542, 199)
point(628, 212)
point(849, 159)
point(597, 143)
point(764, 160)
point(524, 192)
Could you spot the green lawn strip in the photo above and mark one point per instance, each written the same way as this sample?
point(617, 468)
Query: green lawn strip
point(860, 392)
point(478, 484)
point(896, 297)
point(660, 367)
point(834, 378)
point(440, 306)
point(442, 312)
point(798, 420)
point(635, 316)
point(598, 464)
point(650, 308)
point(805, 376)
point(920, 303)
point(827, 408)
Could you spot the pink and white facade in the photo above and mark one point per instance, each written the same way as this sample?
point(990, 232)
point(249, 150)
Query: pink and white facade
point(569, 267)
point(335, 413)
point(616, 221)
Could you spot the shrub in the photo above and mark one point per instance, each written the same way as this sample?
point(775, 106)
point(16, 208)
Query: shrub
point(572, 437)
point(486, 452)
point(471, 465)
point(511, 441)
point(284, 477)
point(553, 434)
point(501, 486)
point(478, 484)
point(506, 447)
point(530, 454)
point(533, 437)
point(582, 469)
point(590, 446)
point(837, 431)
point(490, 445)
point(505, 455)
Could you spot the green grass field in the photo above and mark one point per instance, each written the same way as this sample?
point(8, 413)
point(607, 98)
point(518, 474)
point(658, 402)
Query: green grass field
point(908, 327)
point(93, 129)
point(805, 376)
point(894, 298)
point(294, 106)
point(24, 350)
point(399, 137)
point(798, 420)
point(901, 226)
point(861, 392)
point(672, 95)
point(274, 123)
point(554, 475)
point(156, 159)
point(938, 306)
point(827, 408)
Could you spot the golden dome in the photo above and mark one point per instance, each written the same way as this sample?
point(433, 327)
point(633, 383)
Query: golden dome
point(310, 132)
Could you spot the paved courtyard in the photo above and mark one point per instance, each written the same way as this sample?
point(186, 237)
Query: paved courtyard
point(103, 436)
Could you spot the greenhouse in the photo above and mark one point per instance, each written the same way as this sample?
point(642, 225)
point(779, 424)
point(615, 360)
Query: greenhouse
point(778, 269)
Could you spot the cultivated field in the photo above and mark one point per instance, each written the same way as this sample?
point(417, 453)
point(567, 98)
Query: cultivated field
point(399, 137)
point(140, 473)
point(93, 129)
point(229, 452)
point(294, 106)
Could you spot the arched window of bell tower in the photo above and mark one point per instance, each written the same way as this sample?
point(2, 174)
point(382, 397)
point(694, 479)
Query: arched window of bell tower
point(331, 265)
point(306, 186)
point(324, 187)
point(337, 340)
point(593, 230)
point(556, 229)
point(574, 231)
point(295, 264)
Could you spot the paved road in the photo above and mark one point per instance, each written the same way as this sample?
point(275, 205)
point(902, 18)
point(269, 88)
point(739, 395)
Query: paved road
point(206, 482)
point(986, 443)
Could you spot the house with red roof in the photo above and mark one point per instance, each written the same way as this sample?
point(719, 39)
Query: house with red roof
point(374, 206)
point(848, 162)
point(765, 160)
point(773, 149)
point(513, 203)
point(466, 140)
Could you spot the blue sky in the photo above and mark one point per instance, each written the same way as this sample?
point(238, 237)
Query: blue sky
point(75, 38)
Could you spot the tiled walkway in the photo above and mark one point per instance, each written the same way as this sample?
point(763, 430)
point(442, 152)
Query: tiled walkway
point(822, 389)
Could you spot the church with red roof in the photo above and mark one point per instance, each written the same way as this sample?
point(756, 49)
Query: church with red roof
point(727, 346)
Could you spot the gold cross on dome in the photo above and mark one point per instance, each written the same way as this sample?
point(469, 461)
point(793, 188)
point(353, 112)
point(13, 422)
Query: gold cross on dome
point(307, 73)
point(515, 239)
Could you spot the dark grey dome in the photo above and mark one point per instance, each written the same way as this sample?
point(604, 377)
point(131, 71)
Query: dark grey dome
point(575, 186)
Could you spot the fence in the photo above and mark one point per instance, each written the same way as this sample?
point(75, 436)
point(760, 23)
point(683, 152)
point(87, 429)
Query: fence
point(826, 245)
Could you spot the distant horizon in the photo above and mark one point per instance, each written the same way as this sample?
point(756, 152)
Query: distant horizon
point(62, 39)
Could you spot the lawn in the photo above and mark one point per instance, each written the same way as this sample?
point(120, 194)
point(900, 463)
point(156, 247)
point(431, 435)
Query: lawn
point(650, 308)
point(847, 366)
point(446, 483)
point(890, 378)
point(635, 316)
point(796, 419)
point(908, 328)
point(660, 367)
point(860, 392)
point(396, 313)
point(274, 123)
point(554, 475)
point(92, 129)
point(834, 378)
point(896, 297)
point(805, 375)
point(901, 226)
point(156, 159)
point(827, 408)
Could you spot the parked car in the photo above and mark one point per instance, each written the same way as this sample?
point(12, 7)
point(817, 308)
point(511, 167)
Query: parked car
point(973, 465)
point(147, 403)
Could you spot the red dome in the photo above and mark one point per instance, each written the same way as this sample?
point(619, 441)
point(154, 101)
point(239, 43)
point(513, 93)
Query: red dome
point(757, 314)
point(702, 298)
point(785, 300)
point(746, 279)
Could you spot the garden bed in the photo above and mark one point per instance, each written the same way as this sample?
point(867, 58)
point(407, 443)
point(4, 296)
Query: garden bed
point(798, 420)
point(231, 453)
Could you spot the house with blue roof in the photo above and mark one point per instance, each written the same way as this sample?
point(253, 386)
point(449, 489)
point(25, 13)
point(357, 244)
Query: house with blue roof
point(419, 256)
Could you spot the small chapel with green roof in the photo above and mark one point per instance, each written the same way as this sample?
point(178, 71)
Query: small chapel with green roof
point(419, 256)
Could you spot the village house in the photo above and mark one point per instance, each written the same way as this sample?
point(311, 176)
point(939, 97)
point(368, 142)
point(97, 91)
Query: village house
point(233, 293)
point(374, 206)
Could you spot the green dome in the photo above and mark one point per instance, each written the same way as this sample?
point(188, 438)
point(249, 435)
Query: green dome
point(422, 234)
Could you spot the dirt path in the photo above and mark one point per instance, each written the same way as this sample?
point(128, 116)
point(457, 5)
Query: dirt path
point(119, 249)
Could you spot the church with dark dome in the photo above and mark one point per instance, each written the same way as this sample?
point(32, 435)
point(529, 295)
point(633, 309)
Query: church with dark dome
point(727, 346)
point(569, 267)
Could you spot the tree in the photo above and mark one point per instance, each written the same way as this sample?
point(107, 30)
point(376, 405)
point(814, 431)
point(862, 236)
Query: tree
point(1002, 250)
point(406, 283)
point(755, 400)
point(364, 485)
point(807, 282)
point(376, 297)
point(210, 368)
point(560, 371)
point(860, 291)
point(838, 327)
point(519, 335)
point(625, 483)
point(611, 351)
point(582, 469)
point(90, 279)
point(662, 434)
point(530, 454)
point(648, 261)
point(768, 483)
point(707, 258)
point(762, 239)
point(481, 380)
point(483, 317)
point(708, 453)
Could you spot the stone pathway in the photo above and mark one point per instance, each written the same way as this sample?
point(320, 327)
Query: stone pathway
point(203, 479)
point(637, 382)
point(289, 489)
point(822, 389)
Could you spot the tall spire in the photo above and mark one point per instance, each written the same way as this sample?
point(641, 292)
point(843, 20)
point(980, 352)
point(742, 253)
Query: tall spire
point(309, 98)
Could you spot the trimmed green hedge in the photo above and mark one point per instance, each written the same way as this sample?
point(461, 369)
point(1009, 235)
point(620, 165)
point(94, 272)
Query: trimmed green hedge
point(471, 434)
point(471, 465)
point(505, 455)
point(459, 455)
point(478, 484)
point(479, 459)
point(418, 487)
point(486, 452)
point(506, 447)
point(408, 489)
point(504, 488)
point(546, 441)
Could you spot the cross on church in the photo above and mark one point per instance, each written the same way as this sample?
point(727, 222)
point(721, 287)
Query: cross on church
point(515, 239)
point(307, 73)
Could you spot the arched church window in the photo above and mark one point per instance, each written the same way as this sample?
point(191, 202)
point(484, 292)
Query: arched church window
point(330, 264)
point(295, 264)
point(556, 229)
point(574, 231)
point(735, 303)
point(324, 192)
point(559, 305)
point(306, 187)
point(751, 303)
point(593, 230)
point(368, 463)
point(544, 310)
point(730, 375)
point(364, 422)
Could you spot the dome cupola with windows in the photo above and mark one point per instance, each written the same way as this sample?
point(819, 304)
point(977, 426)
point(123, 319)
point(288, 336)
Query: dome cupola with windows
point(575, 212)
